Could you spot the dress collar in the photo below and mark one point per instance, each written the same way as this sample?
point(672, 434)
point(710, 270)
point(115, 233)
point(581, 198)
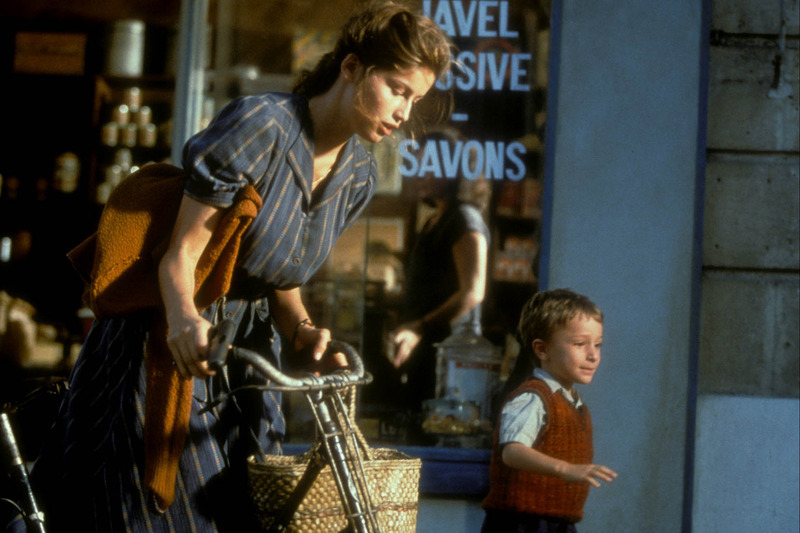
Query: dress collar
point(301, 158)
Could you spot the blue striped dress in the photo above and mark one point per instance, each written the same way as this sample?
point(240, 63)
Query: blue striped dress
point(89, 474)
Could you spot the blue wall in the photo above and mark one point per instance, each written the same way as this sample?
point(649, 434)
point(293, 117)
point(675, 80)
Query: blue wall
point(621, 222)
point(626, 156)
point(747, 475)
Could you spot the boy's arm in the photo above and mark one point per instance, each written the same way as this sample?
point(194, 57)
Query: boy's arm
point(521, 457)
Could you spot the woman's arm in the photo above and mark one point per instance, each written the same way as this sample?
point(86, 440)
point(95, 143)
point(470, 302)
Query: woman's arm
point(188, 331)
point(521, 457)
point(469, 255)
point(291, 316)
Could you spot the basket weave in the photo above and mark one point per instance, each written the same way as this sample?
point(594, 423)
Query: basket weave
point(392, 477)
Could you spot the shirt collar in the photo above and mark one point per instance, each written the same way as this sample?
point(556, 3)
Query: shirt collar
point(555, 386)
point(301, 159)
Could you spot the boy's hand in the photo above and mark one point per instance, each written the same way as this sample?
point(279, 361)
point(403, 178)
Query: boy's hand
point(592, 474)
point(522, 457)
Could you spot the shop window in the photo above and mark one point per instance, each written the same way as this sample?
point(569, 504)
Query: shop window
point(499, 87)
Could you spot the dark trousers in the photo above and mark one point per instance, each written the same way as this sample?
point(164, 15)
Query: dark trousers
point(511, 522)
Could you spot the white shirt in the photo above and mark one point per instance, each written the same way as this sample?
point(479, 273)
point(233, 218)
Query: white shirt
point(524, 417)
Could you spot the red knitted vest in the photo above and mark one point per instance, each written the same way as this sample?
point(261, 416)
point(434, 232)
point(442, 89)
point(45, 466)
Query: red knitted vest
point(567, 436)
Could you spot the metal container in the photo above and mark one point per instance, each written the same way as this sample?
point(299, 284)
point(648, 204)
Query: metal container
point(148, 135)
point(121, 114)
point(114, 175)
point(109, 134)
point(125, 55)
point(124, 159)
point(142, 116)
point(132, 97)
point(128, 135)
point(67, 172)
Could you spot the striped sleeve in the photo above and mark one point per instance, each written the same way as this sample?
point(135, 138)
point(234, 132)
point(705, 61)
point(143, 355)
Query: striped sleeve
point(234, 149)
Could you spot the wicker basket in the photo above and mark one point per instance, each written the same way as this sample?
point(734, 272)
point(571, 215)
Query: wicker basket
point(392, 477)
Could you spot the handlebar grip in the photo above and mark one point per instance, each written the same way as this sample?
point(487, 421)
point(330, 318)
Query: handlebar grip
point(220, 345)
point(220, 340)
point(353, 360)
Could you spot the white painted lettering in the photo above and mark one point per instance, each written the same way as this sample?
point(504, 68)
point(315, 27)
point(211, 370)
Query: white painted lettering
point(410, 162)
point(514, 154)
point(465, 20)
point(472, 159)
point(497, 72)
point(488, 70)
point(473, 150)
point(519, 72)
point(504, 31)
point(494, 160)
point(474, 69)
point(429, 163)
point(485, 18)
point(451, 159)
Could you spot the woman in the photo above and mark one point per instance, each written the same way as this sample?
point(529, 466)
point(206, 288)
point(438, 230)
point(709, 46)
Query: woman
point(301, 154)
point(445, 278)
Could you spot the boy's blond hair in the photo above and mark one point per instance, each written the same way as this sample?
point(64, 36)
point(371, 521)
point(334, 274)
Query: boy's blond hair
point(550, 310)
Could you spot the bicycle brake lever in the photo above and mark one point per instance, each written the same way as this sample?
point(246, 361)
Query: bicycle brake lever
point(220, 339)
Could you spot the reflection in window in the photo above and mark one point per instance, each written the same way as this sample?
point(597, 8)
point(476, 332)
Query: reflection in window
point(361, 294)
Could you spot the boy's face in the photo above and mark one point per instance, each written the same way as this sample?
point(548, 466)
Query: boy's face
point(573, 353)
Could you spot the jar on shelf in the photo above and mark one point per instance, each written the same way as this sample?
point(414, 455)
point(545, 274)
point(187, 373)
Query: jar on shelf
point(121, 114)
point(109, 134)
point(124, 159)
point(128, 135)
point(125, 56)
point(142, 116)
point(67, 172)
point(148, 135)
point(468, 368)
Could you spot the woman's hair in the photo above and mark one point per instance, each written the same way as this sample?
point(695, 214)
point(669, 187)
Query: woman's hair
point(541, 316)
point(387, 36)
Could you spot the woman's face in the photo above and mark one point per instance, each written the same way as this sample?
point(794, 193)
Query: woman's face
point(384, 99)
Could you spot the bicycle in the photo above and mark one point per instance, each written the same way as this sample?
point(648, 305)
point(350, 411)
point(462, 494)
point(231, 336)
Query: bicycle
point(28, 506)
point(340, 449)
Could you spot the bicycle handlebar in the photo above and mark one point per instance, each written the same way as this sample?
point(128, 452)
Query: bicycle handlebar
point(220, 347)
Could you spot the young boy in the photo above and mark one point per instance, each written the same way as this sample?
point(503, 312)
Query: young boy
point(541, 468)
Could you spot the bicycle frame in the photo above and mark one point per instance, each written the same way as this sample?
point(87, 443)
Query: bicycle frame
point(322, 392)
point(34, 519)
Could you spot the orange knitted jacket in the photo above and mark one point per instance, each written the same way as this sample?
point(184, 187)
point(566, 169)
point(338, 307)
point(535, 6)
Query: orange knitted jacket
point(567, 435)
point(120, 265)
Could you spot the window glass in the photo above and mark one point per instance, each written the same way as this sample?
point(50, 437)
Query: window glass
point(494, 140)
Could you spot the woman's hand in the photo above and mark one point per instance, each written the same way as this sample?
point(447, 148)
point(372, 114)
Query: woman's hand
point(308, 341)
point(188, 342)
point(313, 340)
point(406, 338)
point(187, 335)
